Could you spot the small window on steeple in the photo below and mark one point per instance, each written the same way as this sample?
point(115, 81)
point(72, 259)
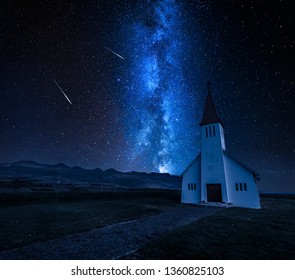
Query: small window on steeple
point(237, 187)
point(213, 130)
point(210, 131)
point(206, 132)
point(241, 187)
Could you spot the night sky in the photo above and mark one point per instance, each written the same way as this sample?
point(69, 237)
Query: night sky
point(136, 74)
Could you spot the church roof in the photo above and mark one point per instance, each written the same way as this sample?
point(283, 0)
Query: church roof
point(210, 114)
point(255, 174)
point(192, 162)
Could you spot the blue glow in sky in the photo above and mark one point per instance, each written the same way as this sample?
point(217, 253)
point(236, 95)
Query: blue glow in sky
point(159, 91)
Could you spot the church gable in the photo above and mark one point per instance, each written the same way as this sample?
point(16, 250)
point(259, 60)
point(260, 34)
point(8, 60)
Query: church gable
point(242, 165)
point(198, 157)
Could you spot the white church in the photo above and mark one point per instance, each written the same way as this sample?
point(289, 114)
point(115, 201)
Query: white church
point(215, 177)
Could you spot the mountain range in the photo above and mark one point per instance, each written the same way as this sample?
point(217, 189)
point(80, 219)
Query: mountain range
point(61, 177)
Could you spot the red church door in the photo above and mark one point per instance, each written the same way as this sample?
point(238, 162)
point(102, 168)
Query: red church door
point(214, 192)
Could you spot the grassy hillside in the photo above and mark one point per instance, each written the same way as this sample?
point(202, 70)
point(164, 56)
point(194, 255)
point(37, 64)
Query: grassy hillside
point(31, 217)
point(232, 233)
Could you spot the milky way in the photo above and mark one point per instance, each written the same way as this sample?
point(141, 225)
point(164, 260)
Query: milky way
point(158, 87)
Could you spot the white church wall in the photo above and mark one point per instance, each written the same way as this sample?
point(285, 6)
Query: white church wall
point(246, 195)
point(212, 160)
point(191, 180)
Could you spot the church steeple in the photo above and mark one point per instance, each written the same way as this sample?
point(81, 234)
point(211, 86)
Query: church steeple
point(210, 115)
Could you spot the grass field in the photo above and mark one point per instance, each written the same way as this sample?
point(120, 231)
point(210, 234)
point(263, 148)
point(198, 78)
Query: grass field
point(232, 233)
point(33, 217)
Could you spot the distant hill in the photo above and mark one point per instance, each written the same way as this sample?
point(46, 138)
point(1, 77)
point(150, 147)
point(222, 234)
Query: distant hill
point(28, 163)
point(60, 175)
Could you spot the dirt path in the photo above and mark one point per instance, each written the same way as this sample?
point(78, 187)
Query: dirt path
point(114, 241)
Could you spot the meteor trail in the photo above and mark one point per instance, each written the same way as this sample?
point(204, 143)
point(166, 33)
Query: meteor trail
point(133, 107)
point(114, 52)
point(63, 92)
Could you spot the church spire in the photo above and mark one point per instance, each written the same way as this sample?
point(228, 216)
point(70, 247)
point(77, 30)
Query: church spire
point(210, 114)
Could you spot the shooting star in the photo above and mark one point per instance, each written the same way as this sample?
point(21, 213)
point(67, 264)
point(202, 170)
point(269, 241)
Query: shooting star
point(133, 107)
point(63, 92)
point(114, 52)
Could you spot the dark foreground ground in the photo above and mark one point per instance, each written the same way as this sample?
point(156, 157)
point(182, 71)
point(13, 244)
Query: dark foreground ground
point(146, 224)
point(232, 233)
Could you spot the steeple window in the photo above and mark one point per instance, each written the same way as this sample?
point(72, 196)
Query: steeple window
point(210, 131)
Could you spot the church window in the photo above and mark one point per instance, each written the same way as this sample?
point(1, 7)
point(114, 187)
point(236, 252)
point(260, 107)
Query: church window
point(206, 132)
point(241, 187)
point(210, 131)
point(237, 187)
point(192, 187)
point(245, 187)
point(213, 130)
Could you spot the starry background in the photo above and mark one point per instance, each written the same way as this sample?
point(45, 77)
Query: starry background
point(143, 112)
